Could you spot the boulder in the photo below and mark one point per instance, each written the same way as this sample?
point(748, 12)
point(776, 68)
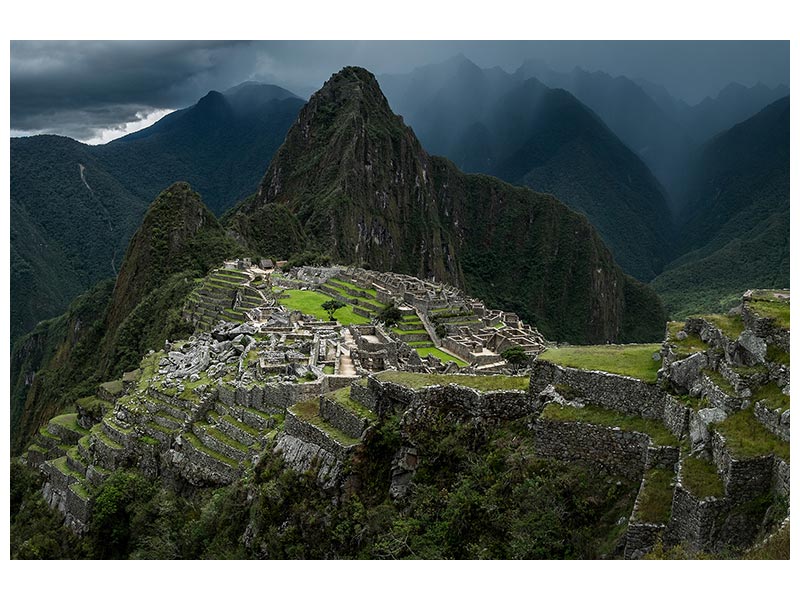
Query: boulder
point(684, 374)
point(699, 433)
point(751, 349)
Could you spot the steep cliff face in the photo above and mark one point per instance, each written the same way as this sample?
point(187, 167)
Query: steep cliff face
point(363, 190)
point(358, 182)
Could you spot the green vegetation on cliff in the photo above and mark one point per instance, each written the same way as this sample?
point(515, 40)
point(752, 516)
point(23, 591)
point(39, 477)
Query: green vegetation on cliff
point(477, 494)
point(734, 231)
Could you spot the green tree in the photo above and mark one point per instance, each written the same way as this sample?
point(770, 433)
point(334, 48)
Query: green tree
point(515, 356)
point(331, 306)
point(390, 315)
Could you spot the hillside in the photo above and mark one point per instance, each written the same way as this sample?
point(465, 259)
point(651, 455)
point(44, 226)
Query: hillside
point(361, 188)
point(515, 128)
point(74, 207)
point(735, 230)
point(108, 329)
point(70, 221)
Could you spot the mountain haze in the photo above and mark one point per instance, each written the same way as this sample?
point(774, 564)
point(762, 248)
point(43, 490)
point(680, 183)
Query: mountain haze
point(524, 132)
point(735, 230)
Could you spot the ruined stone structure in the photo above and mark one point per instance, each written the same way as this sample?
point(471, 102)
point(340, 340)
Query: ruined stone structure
point(202, 411)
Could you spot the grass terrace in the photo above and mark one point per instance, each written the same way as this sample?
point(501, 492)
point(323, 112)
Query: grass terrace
point(342, 396)
point(113, 387)
point(633, 360)
point(310, 302)
point(481, 383)
point(198, 445)
point(776, 355)
point(308, 411)
point(772, 397)
point(730, 325)
point(655, 501)
point(149, 366)
point(700, 477)
point(69, 421)
point(692, 402)
point(353, 286)
point(608, 418)
point(721, 382)
point(746, 437)
point(778, 310)
point(441, 355)
point(686, 347)
point(402, 332)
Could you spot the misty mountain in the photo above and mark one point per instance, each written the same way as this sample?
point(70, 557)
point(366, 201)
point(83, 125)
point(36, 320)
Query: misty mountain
point(71, 223)
point(734, 233)
point(488, 121)
point(732, 105)
point(356, 184)
point(641, 123)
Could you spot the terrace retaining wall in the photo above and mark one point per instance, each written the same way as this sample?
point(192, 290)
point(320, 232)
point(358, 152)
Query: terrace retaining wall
point(614, 392)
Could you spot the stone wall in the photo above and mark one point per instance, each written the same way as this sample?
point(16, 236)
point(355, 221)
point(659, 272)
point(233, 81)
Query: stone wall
point(719, 398)
point(780, 478)
point(661, 457)
point(765, 328)
point(676, 416)
point(494, 406)
point(615, 392)
point(302, 456)
point(641, 538)
point(342, 419)
point(198, 468)
point(744, 479)
point(612, 450)
point(692, 522)
point(312, 434)
point(775, 420)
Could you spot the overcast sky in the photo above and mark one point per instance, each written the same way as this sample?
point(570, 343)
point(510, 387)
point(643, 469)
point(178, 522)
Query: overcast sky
point(96, 91)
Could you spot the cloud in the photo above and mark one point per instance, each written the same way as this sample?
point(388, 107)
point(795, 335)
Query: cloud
point(83, 89)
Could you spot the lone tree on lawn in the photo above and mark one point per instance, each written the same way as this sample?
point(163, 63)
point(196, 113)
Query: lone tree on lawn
point(515, 356)
point(331, 306)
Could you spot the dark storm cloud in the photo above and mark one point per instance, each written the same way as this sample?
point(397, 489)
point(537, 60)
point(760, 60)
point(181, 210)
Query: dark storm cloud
point(80, 88)
point(84, 86)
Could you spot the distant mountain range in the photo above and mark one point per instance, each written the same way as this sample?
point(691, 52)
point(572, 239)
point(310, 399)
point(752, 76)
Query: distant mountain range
point(624, 153)
point(516, 128)
point(74, 207)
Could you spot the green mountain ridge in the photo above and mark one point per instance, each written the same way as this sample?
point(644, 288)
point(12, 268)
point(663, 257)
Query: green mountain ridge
point(71, 224)
point(516, 128)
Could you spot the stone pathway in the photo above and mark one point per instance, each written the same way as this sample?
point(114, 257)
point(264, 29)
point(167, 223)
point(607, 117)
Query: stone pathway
point(345, 362)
